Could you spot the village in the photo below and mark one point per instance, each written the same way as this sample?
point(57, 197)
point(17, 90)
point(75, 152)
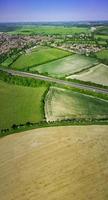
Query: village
point(10, 44)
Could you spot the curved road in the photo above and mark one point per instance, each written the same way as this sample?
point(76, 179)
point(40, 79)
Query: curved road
point(55, 80)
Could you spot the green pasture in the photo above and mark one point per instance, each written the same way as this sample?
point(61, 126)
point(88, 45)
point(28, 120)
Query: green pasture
point(38, 56)
point(19, 104)
point(49, 30)
point(102, 54)
point(66, 66)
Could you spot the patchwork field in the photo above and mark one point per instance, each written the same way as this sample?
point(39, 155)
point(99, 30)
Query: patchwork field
point(10, 60)
point(38, 56)
point(66, 104)
point(97, 74)
point(50, 30)
point(64, 163)
point(66, 66)
point(19, 104)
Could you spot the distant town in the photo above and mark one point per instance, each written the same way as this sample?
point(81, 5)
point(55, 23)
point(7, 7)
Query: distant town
point(83, 43)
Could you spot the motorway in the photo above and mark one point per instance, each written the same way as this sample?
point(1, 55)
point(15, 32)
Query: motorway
point(55, 80)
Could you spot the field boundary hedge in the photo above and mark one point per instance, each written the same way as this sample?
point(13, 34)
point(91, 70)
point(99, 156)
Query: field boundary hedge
point(42, 124)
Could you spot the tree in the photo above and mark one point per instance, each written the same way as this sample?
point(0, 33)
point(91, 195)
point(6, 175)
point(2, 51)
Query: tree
point(14, 126)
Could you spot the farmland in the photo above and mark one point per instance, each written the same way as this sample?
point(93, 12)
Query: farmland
point(7, 62)
point(103, 55)
point(69, 163)
point(66, 104)
point(97, 74)
point(55, 163)
point(105, 37)
point(66, 66)
point(38, 56)
point(19, 104)
point(102, 30)
point(49, 30)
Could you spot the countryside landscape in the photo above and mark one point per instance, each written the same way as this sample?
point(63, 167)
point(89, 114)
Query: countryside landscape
point(53, 104)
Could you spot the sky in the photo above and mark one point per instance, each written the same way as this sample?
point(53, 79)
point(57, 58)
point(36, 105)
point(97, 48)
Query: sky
point(52, 10)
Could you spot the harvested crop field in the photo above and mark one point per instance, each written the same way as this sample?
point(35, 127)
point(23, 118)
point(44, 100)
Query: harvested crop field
point(64, 163)
point(19, 104)
point(37, 56)
point(97, 74)
point(66, 66)
point(65, 104)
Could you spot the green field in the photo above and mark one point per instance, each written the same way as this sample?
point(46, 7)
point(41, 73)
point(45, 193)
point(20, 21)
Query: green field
point(10, 60)
point(19, 104)
point(66, 104)
point(66, 66)
point(7, 62)
point(102, 55)
point(97, 74)
point(101, 30)
point(49, 30)
point(38, 56)
point(105, 37)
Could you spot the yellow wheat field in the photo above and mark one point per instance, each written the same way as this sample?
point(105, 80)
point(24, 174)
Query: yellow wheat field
point(62, 163)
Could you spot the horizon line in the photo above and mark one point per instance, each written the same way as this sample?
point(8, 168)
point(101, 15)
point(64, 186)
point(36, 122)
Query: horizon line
point(99, 20)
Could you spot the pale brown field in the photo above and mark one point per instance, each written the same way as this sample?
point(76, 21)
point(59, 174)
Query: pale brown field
point(97, 74)
point(64, 163)
point(66, 104)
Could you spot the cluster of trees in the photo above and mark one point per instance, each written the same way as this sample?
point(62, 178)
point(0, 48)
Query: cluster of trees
point(30, 82)
point(104, 61)
point(3, 57)
point(74, 121)
point(13, 54)
point(5, 130)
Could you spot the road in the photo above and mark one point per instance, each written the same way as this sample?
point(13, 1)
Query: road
point(55, 80)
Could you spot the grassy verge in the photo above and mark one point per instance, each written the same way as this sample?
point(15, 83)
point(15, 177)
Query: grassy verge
point(83, 91)
point(18, 80)
point(87, 83)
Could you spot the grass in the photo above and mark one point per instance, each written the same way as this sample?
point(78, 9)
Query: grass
point(102, 30)
point(105, 37)
point(97, 74)
point(38, 56)
point(69, 163)
point(66, 66)
point(65, 104)
point(19, 104)
point(49, 30)
point(102, 55)
point(7, 62)
point(10, 60)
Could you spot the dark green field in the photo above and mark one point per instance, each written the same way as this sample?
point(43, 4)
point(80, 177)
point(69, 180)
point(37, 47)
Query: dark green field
point(19, 104)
